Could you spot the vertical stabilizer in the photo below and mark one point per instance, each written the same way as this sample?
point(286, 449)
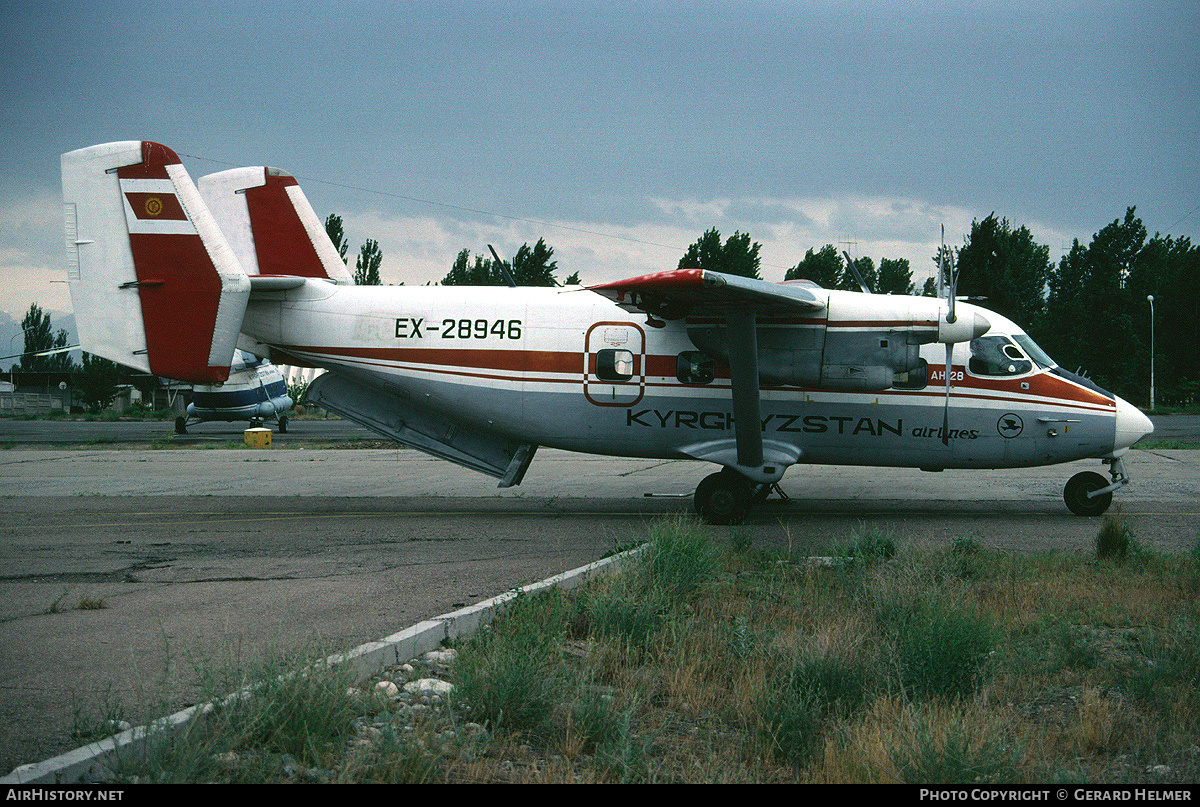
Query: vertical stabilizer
point(271, 225)
point(154, 283)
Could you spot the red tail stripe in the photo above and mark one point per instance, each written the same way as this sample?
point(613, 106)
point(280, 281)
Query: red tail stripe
point(178, 336)
point(282, 244)
point(179, 311)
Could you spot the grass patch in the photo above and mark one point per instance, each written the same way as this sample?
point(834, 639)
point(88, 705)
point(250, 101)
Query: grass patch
point(1167, 445)
point(698, 663)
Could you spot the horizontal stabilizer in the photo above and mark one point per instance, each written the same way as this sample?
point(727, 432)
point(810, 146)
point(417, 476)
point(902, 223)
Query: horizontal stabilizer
point(154, 283)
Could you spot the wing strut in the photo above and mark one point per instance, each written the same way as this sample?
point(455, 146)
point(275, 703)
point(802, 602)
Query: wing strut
point(743, 373)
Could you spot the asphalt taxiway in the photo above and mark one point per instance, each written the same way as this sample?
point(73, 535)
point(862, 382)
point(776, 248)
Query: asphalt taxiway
point(200, 555)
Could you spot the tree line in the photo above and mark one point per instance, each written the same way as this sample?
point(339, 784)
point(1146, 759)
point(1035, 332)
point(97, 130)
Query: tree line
point(1091, 310)
point(94, 383)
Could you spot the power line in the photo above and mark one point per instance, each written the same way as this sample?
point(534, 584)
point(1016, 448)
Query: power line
point(476, 211)
point(1186, 216)
point(449, 206)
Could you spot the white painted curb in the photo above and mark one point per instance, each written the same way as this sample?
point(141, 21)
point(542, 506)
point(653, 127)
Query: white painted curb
point(92, 762)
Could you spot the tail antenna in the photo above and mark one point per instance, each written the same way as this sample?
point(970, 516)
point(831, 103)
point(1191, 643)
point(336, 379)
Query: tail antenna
point(508, 276)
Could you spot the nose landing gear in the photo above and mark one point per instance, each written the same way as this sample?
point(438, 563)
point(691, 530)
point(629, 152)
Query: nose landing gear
point(1089, 494)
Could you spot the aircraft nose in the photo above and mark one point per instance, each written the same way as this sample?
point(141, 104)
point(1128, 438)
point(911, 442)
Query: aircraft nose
point(1132, 425)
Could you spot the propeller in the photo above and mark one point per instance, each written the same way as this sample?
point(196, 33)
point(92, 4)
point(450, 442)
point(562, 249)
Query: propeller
point(945, 258)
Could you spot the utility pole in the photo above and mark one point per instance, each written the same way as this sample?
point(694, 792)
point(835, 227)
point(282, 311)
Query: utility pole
point(1150, 299)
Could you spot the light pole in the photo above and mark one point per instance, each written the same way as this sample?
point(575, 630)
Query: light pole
point(12, 368)
point(1150, 299)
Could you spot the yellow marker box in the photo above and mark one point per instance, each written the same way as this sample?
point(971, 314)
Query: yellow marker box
point(258, 438)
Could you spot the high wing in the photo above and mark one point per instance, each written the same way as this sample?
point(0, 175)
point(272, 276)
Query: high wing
point(700, 291)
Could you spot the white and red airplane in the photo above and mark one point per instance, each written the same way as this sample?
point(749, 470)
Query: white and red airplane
point(750, 375)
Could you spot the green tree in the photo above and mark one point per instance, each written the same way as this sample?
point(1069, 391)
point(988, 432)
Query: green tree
point(1091, 320)
point(531, 266)
point(40, 339)
point(1169, 269)
point(366, 268)
point(895, 277)
point(481, 272)
point(737, 256)
point(333, 227)
point(535, 266)
point(96, 382)
point(823, 268)
point(866, 268)
point(1003, 265)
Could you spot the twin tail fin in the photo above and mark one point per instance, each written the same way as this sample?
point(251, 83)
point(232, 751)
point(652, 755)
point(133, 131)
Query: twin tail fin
point(160, 271)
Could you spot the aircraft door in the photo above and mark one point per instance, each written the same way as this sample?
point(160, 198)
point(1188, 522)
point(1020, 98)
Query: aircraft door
point(614, 364)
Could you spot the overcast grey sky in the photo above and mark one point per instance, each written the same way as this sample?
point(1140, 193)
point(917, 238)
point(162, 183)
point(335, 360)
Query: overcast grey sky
point(620, 131)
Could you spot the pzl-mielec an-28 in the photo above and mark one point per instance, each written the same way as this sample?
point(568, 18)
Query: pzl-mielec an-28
point(171, 277)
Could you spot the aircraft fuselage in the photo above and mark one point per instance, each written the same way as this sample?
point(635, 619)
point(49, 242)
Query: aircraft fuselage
point(570, 369)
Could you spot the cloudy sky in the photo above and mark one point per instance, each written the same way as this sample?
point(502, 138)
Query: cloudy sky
point(620, 131)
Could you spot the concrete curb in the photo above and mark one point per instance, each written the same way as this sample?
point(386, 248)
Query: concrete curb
point(90, 763)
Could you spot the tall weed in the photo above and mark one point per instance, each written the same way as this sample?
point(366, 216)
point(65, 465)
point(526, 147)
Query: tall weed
point(680, 559)
point(509, 673)
point(942, 652)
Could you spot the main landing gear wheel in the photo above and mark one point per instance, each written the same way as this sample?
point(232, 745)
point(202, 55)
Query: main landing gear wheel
point(1075, 494)
point(283, 423)
point(723, 498)
point(181, 425)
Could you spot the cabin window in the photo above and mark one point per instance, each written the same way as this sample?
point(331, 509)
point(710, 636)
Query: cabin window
point(614, 365)
point(694, 367)
point(997, 356)
point(917, 378)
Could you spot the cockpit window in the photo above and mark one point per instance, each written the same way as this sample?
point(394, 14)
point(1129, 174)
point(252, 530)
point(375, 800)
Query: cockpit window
point(997, 356)
point(1033, 351)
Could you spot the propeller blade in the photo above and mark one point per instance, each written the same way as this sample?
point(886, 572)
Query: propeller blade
point(862, 284)
point(951, 317)
point(946, 410)
point(942, 265)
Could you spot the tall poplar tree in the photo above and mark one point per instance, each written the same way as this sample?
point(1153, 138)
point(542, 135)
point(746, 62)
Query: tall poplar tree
point(366, 268)
point(39, 339)
point(1003, 265)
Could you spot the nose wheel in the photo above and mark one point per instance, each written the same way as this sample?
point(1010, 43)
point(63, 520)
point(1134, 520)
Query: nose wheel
point(1082, 496)
point(1090, 494)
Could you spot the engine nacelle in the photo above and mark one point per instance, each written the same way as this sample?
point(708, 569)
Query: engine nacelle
point(858, 347)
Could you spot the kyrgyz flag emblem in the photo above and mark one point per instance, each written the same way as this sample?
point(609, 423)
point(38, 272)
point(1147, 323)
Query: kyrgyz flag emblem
point(155, 206)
